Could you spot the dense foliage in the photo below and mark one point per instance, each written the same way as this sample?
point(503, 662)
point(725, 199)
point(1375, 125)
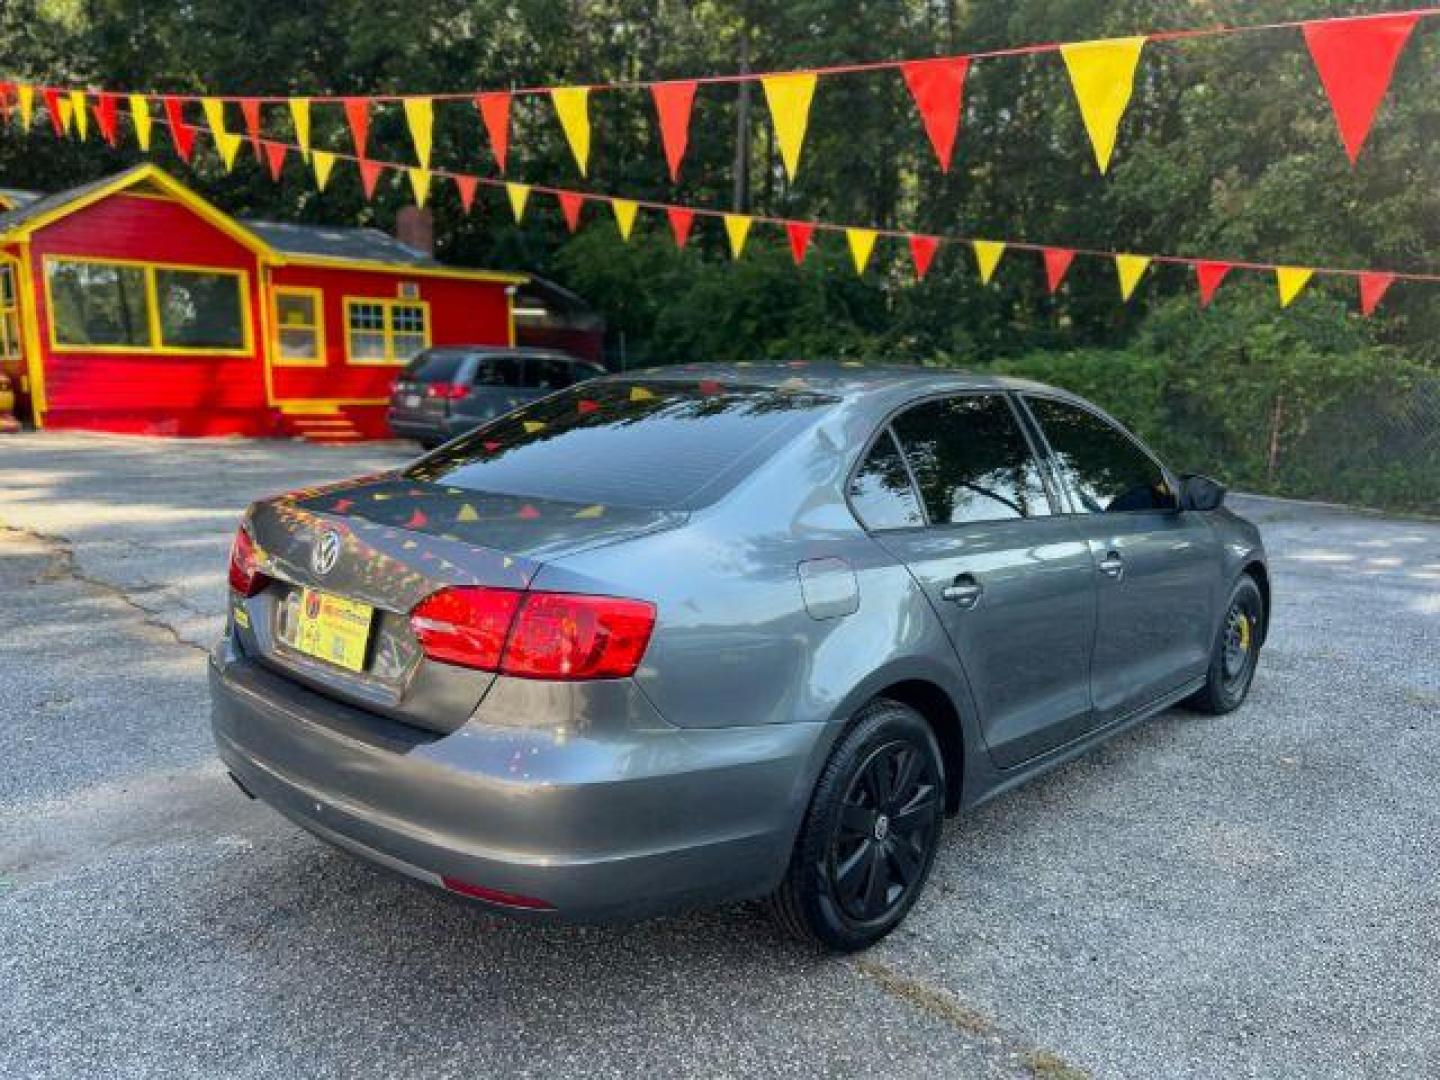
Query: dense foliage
point(1229, 150)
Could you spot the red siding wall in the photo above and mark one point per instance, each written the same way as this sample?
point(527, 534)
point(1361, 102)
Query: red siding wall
point(461, 313)
point(154, 394)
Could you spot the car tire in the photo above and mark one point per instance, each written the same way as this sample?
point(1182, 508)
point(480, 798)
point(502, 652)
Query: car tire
point(1236, 652)
point(870, 834)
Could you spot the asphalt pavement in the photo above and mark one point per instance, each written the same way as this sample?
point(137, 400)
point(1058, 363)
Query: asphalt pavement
point(1253, 895)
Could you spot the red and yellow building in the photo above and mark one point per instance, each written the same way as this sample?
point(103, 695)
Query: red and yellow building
point(131, 304)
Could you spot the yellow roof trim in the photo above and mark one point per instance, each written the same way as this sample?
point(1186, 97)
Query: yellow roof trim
point(334, 262)
point(167, 184)
point(6, 203)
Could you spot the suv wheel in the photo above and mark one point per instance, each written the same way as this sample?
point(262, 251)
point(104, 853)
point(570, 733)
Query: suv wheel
point(869, 838)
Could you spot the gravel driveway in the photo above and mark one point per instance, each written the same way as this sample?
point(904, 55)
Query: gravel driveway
point(1254, 895)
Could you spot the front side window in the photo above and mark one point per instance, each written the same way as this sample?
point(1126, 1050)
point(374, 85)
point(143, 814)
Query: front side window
point(385, 331)
point(299, 333)
point(881, 493)
point(146, 308)
point(971, 460)
point(9, 313)
point(199, 309)
point(98, 304)
point(1104, 469)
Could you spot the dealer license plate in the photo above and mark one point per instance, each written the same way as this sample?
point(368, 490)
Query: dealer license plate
point(332, 628)
point(412, 401)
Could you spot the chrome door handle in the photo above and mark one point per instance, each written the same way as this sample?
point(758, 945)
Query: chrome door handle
point(964, 591)
point(1112, 565)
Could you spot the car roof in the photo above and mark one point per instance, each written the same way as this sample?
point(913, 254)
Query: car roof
point(841, 379)
point(510, 350)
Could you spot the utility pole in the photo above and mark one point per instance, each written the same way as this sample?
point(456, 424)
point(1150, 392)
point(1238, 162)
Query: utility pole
point(741, 200)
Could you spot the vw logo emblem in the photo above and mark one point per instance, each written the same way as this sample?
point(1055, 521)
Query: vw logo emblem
point(326, 552)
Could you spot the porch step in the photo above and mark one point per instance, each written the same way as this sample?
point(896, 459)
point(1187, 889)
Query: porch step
point(322, 427)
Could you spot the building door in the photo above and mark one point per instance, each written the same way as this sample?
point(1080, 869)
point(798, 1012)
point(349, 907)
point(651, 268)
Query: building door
point(12, 344)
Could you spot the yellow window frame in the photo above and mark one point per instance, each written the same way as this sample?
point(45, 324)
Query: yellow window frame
point(388, 305)
point(10, 348)
point(316, 297)
point(152, 309)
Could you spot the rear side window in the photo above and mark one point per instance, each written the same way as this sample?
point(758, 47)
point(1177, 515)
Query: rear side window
point(971, 460)
point(881, 493)
point(1103, 467)
point(500, 371)
point(433, 366)
point(650, 444)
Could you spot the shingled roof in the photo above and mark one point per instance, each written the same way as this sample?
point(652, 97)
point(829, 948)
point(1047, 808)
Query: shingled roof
point(337, 242)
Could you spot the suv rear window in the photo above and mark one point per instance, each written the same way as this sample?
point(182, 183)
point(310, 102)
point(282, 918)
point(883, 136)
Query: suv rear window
point(652, 444)
point(434, 366)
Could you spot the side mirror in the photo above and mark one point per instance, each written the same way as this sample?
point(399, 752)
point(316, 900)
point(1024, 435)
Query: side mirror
point(1201, 493)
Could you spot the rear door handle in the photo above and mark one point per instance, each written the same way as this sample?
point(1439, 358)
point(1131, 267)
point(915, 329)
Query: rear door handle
point(1112, 565)
point(964, 591)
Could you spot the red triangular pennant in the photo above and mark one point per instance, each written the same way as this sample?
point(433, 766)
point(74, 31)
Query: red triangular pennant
point(250, 112)
point(1057, 263)
point(938, 87)
point(107, 113)
point(7, 91)
point(275, 159)
point(799, 233)
point(181, 133)
point(51, 97)
point(357, 115)
point(466, 185)
point(1210, 275)
point(571, 203)
point(495, 112)
point(369, 176)
point(1356, 59)
point(673, 102)
point(1372, 290)
point(681, 221)
point(922, 253)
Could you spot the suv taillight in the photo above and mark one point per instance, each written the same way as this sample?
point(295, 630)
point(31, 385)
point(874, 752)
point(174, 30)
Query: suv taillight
point(245, 576)
point(446, 391)
point(535, 635)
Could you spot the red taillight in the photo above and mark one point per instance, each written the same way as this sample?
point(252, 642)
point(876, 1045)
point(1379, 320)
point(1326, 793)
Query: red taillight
point(245, 576)
point(465, 626)
point(446, 391)
point(563, 636)
point(495, 896)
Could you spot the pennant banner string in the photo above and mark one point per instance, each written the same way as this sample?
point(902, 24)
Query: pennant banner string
point(1131, 265)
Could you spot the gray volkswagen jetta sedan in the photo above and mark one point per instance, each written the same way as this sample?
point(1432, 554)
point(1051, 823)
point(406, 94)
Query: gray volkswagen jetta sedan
point(717, 633)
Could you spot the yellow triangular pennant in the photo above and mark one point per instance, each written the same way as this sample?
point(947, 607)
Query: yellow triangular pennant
point(80, 109)
point(467, 513)
point(1130, 269)
point(1290, 280)
point(639, 393)
point(214, 110)
point(591, 511)
point(533, 426)
point(26, 94)
point(419, 184)
point(625, 210)
point(789, 98)
point(862, 243)
point(987, 257)
point(228, 143)
point(324, 162)
point(420, 117)
point(737, 228)
point(572, 105)
point(140, 118)
point(300, 114)
point(66, 111)
point(519, 195)
point(1102, 74)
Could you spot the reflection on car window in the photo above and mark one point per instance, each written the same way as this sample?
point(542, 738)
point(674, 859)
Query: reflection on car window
point(1102, 466)
point(499, 371)
point(971, 460)
point(881, 492)
point(652, 444)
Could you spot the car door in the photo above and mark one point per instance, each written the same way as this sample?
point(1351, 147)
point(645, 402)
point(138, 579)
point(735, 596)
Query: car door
point(1010, 579)
point(1157, 565)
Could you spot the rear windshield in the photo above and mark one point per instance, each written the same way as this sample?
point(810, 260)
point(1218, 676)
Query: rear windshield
point(431, 366)
point(657, 445)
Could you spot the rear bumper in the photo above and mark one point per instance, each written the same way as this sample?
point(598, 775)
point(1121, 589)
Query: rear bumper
point(599, 827)
point(438, 429)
